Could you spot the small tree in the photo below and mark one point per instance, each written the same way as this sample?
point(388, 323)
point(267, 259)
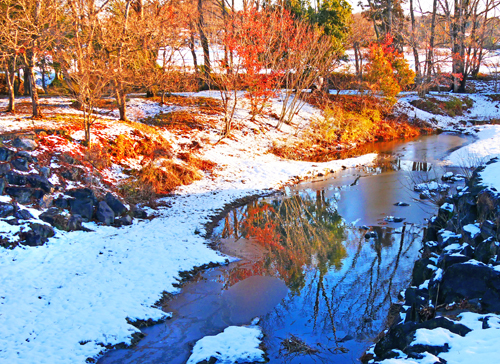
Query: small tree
point(82, 58)
point(387, 71)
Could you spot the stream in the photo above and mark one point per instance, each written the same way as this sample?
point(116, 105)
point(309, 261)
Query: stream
point(319, 263)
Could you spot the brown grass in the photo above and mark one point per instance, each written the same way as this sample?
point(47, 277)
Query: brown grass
point(202, 164)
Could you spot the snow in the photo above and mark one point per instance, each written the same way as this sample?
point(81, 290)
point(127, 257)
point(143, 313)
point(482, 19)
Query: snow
point(478, 346)
point(472, 229)
point(61, 302)
point(234, 345)
point(485, 147)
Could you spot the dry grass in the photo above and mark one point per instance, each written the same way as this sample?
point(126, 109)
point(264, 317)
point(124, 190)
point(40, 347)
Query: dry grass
point(202, 164)
point(153, 181)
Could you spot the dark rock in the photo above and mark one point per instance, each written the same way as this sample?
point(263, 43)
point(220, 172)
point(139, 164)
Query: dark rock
point(488, 205)
point(6, 209)
point(488, 229)
point(20, 164)
point(2, 185)
point(447, 260)
point(38, 193)
point(446, 237)
point(16, 179)
point(38, 235)
point(61, 202)
point(400, 336)
point(82, 193)
point(12, 221)
point(75, 223)
point(24, 154)
point(401, 204)
point(115, 205)
point(105, 214)
point(45, 171)
point(124, 220)
point(24, 143)
point(6, 154)
point(46, 201)
point(4, 168)
point(83, 207)
point(23, 214)
point(422, 271)
point(468, 281)
point(37, 181)
point(487, 250)
point(416, 299)
point(471, 234)
point(139, 213)
point(21, 194)
point(50, 216)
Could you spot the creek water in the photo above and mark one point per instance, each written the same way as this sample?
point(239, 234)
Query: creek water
point(306, 268)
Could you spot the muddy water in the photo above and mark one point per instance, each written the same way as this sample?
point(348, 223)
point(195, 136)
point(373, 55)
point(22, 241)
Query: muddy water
point(307, 269)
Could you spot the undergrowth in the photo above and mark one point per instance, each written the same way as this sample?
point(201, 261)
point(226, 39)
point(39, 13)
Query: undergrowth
point(453, 106)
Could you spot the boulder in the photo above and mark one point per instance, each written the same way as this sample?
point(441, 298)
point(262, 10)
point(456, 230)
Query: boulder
point(468, 281)
point(54, 217)
point(488, 205)
point(6, 154)
point(488, 229)
point(487, 250)
point(61, 202)
point(105, 214)
point(37, 235)
point(422, 271)
point(25, 143)
point(447, 260)
point(16, 179)
point(139, 213)
point(75, 223)
point(45, 171)
point(124, 220)
point(6, 209)
point(21, 194)
point(4, 168)
point(82, 193)
point(22, 214)
point(2, 185)
point(83, 207)
point(21, 164)
point(38, 181)
point(115, 204)
point(400, 336)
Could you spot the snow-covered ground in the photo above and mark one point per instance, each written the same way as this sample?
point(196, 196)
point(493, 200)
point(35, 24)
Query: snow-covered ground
point(62, 302)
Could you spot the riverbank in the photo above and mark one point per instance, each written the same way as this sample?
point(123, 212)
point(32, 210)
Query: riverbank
point(82, 291)
point(451, 311)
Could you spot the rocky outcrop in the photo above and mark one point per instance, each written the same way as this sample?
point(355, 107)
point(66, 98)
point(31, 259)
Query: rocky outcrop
point(28, 182)
point(459, 270)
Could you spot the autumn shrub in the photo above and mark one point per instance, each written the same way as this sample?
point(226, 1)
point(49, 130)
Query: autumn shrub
point(387, 71)
point(97, 155)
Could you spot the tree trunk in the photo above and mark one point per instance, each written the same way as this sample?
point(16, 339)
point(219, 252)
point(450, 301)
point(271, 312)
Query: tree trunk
point(121, 100)
point(34, 94)
point(26, 81)
point(430, 53)
point(203, 39)
point(10, 77)
point(414, 43)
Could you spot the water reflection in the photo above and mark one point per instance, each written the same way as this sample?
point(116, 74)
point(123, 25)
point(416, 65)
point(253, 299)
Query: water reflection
point(341, 285)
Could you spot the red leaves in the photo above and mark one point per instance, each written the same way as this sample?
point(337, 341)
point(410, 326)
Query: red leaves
point(259, 224)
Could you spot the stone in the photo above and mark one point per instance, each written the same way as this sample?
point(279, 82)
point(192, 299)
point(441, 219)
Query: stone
point(4, 168)
point(422, 271)
point(61, 202)
point(447, 260)
point(16, 179)
point(6, 154)
point(21, 164)
point(105, 214)
point(487, 250)
point(38, 181)
point(45, 171)
point(75, 223)
point(21, 194)
point(46, 201)
point(38, 235)
point(115, 204)
point(23, 214)
point(139, 213)
point(488, 229)
point(83, 207)
point(82, 193)
point(400, 336)
point(124, 220)
point(468, 281)
point(6, 209)
point(24, 143)
point(2, 185)
point(24, 154)
point(488, 205)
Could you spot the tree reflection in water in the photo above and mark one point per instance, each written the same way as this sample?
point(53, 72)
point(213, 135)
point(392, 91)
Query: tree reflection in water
point(341, 285)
